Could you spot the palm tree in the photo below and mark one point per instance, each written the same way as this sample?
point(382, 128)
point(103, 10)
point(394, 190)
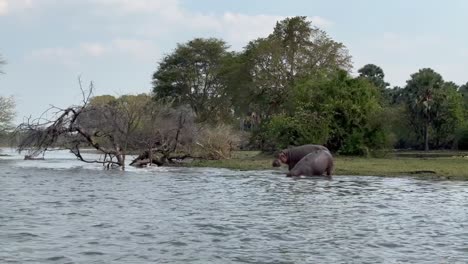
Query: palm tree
point(420, 91)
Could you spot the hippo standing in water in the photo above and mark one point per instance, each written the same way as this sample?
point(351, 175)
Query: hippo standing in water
point(292, 156)
point(314, 164)
point(295, 155)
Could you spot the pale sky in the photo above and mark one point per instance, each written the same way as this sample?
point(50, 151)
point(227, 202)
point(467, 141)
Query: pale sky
point(118, 43)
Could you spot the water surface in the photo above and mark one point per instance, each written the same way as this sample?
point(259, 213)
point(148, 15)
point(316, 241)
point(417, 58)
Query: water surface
point(62, 211)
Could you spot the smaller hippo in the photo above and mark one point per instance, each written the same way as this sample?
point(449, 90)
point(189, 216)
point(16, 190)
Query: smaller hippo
point(314, 164)
point(276, 163)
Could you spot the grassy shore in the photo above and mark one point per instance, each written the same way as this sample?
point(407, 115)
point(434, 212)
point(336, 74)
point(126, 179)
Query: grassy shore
point(431, 165)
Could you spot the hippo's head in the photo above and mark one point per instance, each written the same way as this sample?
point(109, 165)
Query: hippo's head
point(283, 157)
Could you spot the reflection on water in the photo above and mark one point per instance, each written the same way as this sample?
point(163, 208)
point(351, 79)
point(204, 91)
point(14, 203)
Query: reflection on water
point(63, 211)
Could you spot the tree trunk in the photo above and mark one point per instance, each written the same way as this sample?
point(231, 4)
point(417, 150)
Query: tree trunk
point(121, 160)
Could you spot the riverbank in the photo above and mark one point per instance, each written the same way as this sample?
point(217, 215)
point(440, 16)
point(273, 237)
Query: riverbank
point(431, 165)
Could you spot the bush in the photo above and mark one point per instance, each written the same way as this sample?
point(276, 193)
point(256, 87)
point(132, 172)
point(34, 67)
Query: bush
point(217, 142)
point(354, 144)
point(283, 131)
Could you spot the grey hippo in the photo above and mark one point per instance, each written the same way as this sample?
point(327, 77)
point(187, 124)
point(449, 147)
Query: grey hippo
point(320, 160)
point(292, 156)
point(315, 163)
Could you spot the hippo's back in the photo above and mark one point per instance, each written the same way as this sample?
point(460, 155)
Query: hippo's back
point(314, 163)
point(295, 154)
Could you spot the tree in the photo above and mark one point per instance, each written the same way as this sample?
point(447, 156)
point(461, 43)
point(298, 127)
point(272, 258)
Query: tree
point(7, 112)
point(114, 127)
point(166, 133)
point(72, 128)
point(102, 100)
point(463, 90)
point(192, 75)
point(339, 111)
point(353, 109)
point(420, 91)
point(448, 117)
point(115, 120)
point(295, 50)
point(395, 95)
point(374, 74)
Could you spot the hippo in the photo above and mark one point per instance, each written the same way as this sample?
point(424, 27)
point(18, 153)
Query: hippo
point(292, 156)
point(276, 163)
point(315, 163)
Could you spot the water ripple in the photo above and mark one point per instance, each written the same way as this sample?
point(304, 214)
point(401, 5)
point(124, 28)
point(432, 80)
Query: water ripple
point(53, 214)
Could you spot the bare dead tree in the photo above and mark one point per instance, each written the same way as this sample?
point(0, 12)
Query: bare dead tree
point(114, 127)
point(65, 130)
point(168, 137)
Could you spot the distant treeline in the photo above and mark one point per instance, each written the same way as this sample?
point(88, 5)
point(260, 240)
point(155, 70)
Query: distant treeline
point(292, 87)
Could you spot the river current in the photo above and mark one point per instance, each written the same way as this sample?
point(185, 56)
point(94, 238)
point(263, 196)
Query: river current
point(60, 210)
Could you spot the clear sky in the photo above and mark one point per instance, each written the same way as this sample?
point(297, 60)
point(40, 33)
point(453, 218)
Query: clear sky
point(118, 43)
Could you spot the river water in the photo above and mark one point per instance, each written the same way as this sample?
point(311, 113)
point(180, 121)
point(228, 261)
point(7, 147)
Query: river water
point(62, 211)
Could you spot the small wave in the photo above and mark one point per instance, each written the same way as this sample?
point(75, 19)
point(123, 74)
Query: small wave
point(23, 235)
point(175, 243)
point(141, 234)
point(56, 258)
point(92, 253)
point(389, 245)
point(103, 225)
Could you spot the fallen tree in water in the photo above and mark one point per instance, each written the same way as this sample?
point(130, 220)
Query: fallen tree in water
point(66, 129)
point(114, 127)
point(162, 134)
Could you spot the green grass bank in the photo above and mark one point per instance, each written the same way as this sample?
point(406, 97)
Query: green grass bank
point(431, 165)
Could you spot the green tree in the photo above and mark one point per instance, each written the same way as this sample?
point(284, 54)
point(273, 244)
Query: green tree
point(353, 107)
point(433, 105)
point(448, 118)
point(294, 51)
point(236, 77)
point(376, 76)
point(396, 95)
point(463, 90)
point(192, 75)
point(341, 112)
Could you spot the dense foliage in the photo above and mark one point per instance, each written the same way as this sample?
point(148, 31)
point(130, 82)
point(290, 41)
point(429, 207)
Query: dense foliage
point(293, 87)
point(193, 75)
point(339, 111)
